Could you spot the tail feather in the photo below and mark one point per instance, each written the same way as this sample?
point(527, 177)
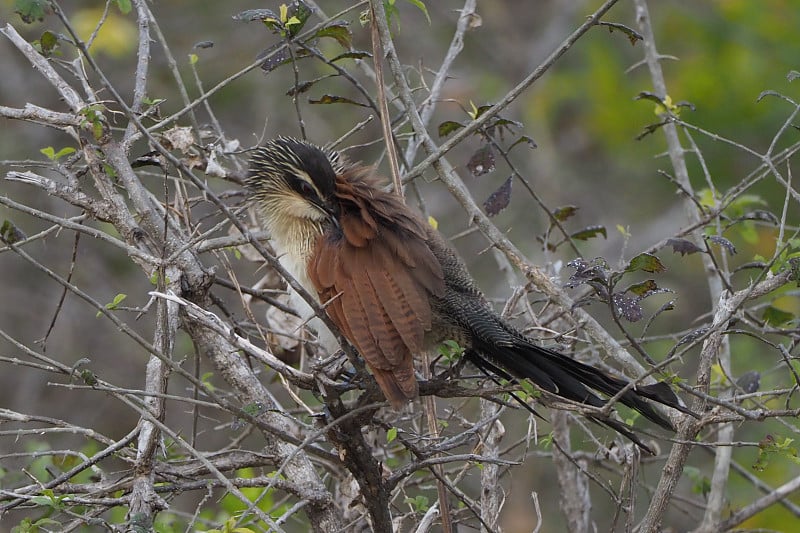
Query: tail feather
point(492, 370)
point(573, 380)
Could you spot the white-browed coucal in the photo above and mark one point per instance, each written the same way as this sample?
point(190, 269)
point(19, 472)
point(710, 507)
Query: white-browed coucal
point(395, 288)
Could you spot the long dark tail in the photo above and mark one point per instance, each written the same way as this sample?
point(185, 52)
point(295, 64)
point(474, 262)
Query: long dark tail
point(573, 380)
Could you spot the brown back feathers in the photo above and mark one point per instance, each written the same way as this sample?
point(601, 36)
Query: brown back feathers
point(376, 272)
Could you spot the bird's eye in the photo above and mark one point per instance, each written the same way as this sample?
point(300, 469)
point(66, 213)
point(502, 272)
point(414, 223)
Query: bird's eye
point(306, 189)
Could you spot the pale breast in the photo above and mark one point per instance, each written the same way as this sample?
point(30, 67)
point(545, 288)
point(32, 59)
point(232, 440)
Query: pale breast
point(294, 259)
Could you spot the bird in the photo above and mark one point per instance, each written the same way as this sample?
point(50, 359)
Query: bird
point(394, 288)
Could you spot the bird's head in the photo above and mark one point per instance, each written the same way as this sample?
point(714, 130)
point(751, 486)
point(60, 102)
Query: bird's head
point(294, 181)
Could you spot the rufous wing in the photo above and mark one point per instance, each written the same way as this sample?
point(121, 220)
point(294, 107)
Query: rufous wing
point(376, 274)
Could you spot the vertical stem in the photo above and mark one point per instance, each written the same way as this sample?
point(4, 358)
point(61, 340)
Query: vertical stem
point(718, 350)
point(491, 494)
point(377, 13)
point(145, 503)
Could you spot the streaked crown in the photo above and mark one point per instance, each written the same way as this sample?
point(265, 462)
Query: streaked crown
point(290, 177)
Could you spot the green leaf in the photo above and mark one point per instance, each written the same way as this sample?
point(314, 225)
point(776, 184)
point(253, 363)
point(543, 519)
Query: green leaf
point(422, 7)
point(419, 503)
point(450, 350)
point(88, 377)
point(31, 10)
point(563, 213)
point(742, 203)
point(52, 155)
point(124, 6)
point(528, 387)
point(644, 288)
point(97, 130)
point(391, 434)
point(646, 262)
point(304, 86)
point(49, 153)
point(449, 126)
point(353, 54)
point(338, 31)
point(589, 232)
point(64, 151)
point(113, 304)
point(255, 409)
point(777, 317)
point(48, 41)
point(10, 233)
point(477, 112)
point(330, 99)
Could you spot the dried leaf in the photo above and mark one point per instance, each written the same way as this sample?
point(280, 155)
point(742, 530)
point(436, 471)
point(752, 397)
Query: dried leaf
point(632, 34)
point(179, 138)
point(499, 199)
point(692, 336)
point(595, 271)
point(722, 241)
point(275, 60)
point(683, 246)
point(482, 161)
point(628, 307)
point(251, 15)
point(525, 139)
point(749, 382)
point(761, 214)
point(647, 263)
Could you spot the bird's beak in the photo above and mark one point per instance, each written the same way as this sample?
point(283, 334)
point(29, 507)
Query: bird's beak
point(333, 218)
point(332, 213)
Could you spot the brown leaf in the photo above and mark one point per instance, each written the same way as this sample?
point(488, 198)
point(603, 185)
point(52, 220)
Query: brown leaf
point(482, 161)
point(499, 199)
point(683, 246)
